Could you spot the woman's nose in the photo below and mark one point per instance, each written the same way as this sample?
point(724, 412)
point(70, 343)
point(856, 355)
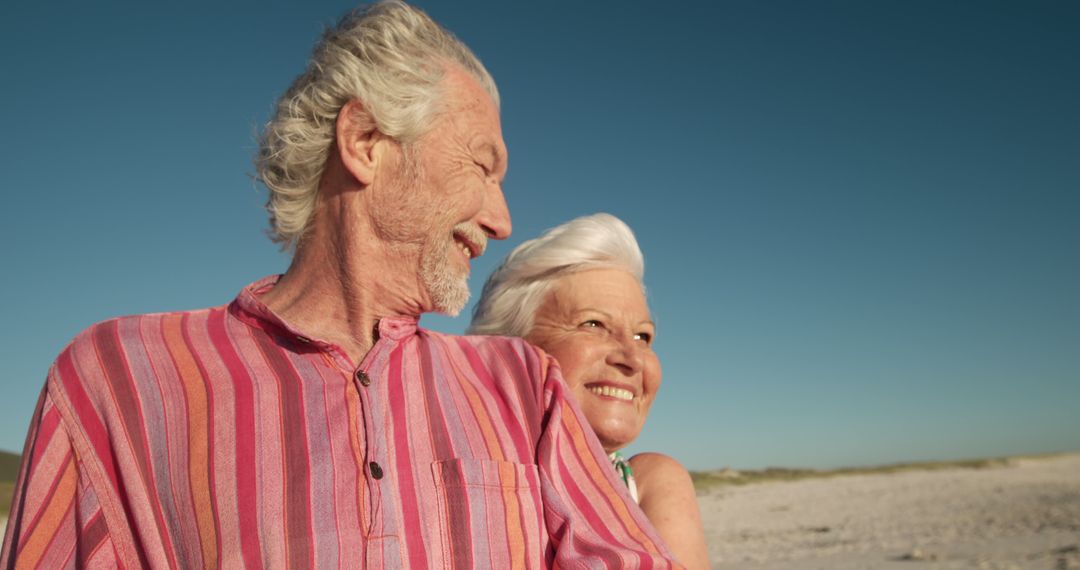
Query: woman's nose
point(625, 354)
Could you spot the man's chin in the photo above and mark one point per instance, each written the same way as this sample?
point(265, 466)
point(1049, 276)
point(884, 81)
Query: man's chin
point(451, 310)
point(449, 298)
point(447, 286)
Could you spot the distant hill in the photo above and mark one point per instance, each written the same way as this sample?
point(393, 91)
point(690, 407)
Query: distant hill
point(9, 471)
point(704, 480)
point(9, 466)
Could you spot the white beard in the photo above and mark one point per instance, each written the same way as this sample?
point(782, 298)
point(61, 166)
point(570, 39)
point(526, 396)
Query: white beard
point(447, 289)
point(448, 292)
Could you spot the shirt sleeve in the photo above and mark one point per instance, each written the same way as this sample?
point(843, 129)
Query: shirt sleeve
point(590, 517)
point(56, 520)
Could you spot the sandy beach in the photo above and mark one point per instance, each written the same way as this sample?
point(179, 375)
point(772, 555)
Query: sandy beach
point(1022, 514)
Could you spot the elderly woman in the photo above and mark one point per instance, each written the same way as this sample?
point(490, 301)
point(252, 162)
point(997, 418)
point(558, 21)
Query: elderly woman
point(577, 293)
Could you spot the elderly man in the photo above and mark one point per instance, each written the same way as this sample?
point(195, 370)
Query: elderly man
point(310, 423)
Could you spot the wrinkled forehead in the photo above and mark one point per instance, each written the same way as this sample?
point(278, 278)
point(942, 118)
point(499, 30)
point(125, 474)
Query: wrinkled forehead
point(614, 291)
point(470, 119)
point(462, 92)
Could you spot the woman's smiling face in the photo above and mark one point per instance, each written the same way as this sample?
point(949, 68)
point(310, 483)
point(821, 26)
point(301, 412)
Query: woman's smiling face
point(597, 325)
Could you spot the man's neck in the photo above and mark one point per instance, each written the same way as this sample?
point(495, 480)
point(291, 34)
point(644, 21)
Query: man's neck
point(339, 295)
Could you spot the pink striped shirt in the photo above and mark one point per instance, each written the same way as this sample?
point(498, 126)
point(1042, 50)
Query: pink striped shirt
point(226, 438)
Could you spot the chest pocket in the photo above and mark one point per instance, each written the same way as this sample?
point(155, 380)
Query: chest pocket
point(489, 513)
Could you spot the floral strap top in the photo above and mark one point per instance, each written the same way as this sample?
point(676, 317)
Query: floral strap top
point(622, 467)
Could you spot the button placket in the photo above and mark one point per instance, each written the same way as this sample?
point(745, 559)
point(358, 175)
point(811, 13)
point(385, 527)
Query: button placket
point(374, 468)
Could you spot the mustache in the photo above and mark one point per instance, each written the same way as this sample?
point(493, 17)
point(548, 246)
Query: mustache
point(474, 235)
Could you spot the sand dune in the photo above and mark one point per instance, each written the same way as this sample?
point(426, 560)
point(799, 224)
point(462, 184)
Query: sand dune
point(1022, 514)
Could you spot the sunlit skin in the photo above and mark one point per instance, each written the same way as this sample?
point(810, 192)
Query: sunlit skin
point(441, 209)
point(383, 232)
point(597, 324)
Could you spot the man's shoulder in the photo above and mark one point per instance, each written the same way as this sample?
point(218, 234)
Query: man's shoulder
point(485, 343)
point(121, 345)
point(489, 348)
point(142, 329)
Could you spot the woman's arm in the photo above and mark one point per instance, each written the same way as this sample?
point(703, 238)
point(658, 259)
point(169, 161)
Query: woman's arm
point(667, 496)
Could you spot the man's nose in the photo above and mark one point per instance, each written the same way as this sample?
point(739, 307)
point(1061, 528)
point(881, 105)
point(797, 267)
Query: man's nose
point(494, 218)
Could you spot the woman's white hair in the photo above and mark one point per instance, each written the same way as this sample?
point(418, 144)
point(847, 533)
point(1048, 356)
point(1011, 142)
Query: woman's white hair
point(515, 290)
point(391, 57)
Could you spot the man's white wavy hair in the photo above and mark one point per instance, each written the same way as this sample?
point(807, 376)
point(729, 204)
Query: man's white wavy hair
point(390, 56)
point(515, 290)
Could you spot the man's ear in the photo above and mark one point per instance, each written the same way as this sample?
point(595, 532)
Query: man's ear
point(357, 139)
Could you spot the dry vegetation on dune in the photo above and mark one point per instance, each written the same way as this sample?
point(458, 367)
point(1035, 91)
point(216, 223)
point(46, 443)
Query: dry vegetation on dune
point(705, 480)
point(9, 471)
point(6, 490)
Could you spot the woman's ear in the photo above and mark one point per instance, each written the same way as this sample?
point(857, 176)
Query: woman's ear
point(357, 141)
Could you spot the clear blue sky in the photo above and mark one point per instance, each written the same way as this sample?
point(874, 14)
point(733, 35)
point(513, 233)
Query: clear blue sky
point(861, 220)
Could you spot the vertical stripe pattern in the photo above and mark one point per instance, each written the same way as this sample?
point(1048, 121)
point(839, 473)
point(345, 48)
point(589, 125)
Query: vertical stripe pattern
point(225, 438)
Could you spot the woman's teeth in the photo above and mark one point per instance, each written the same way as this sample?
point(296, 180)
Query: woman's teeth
point(618, 393)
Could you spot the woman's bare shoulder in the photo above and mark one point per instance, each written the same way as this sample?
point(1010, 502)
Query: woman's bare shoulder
point(667, 497)
point(658, 468)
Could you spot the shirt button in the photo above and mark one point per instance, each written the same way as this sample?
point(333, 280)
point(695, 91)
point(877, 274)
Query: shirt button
point(362, 377)
point(376, 471)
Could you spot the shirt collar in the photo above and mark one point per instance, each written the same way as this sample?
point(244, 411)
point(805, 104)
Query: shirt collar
point(249, 308)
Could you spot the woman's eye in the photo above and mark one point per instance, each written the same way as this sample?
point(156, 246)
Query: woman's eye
point(644, 336)
point(592, 324)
